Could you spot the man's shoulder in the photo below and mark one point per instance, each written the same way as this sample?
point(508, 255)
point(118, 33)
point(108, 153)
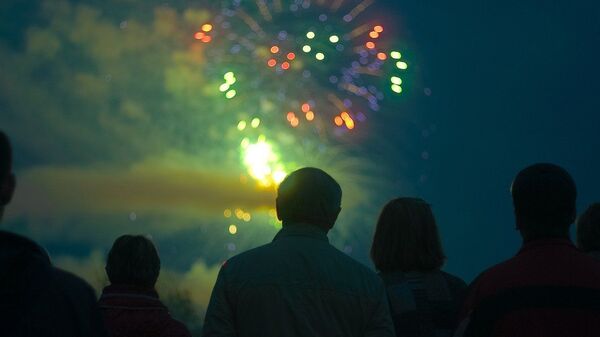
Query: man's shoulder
point(177, 329)
point(353, 264)
point(70, 282)
point(254, 254)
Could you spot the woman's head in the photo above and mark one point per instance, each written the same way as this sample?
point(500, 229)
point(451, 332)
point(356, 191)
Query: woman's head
point(133, 260)
point(406, 238)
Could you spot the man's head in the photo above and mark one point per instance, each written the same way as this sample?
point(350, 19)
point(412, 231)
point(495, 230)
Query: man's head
point(309, 195)
point(133, 260)
point(7, 178)
point(544, 200)
point(588, 229)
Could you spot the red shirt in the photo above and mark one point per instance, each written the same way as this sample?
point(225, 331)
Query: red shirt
point(548, 289)
point(137, 312)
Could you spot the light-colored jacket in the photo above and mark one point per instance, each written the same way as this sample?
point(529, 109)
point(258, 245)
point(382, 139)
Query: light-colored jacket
point(297, 285)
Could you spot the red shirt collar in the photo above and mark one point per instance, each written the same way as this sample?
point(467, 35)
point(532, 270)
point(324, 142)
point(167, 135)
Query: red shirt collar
point(546, 243)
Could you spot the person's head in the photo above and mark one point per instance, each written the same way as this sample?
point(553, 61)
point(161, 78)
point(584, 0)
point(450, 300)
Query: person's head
point(544, 201)
point(406, 238)
point(133, 260)
point(7, 178)
point(309, 195)
point(588, 229)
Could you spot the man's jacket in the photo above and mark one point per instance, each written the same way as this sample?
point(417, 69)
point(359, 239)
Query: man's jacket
point(298, 285)
point(40, 300)
point(550, 289)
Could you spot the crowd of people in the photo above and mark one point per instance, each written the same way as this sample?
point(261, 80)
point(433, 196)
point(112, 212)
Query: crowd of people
point(300, 285)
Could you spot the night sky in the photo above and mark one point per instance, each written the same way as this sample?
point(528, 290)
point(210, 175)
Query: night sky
point(514, 83)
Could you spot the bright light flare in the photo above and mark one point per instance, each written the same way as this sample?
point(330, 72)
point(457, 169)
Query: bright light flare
point(232, 229)
point(224, 87)
point(263, 163)
point(290, 116)
point(338, 121)
point(230, 94)
point(207, 27)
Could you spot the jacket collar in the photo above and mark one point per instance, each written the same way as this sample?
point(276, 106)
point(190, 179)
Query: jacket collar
point(546, 244)
point(301, 229)
point(128, 296)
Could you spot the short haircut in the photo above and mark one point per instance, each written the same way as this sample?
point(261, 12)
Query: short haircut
point(588, 229)
point(544, 197)
point(407, 238)
point(133, 260)
point(5, 156)
point(308, 195)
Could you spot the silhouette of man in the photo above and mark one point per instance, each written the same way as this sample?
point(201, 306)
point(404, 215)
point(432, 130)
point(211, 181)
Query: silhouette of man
point(130, 304)
point(299, 285)
point(549, 288)
point(37, 299)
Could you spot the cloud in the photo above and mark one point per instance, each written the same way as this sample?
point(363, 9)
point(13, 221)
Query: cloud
point(147, 187)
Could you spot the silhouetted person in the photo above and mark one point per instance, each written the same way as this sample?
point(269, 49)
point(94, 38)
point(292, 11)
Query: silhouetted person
point(130, 304)
point(424, 301)
point(299, 285)
point(588, 231)
point(37, 299)
point(549, 288)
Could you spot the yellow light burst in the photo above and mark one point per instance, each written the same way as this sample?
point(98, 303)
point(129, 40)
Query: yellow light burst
point(232, 229)
point(262, 163)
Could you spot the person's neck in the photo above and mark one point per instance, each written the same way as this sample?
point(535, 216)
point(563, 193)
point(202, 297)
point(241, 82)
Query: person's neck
point(304, 223)
point(531, 238)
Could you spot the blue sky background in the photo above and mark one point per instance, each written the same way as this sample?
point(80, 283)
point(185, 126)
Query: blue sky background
point(514, 83)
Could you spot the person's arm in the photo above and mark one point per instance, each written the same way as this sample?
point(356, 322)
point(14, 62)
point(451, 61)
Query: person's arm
point(468, 304)
point(219, 320)
point(381, 324)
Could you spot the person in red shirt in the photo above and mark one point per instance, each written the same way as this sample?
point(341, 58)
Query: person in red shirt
point(130, 305)
point(549, 288)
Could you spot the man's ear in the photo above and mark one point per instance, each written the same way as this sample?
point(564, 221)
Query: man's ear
point(277, 209)
point(7, 189)
point(333, 218)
